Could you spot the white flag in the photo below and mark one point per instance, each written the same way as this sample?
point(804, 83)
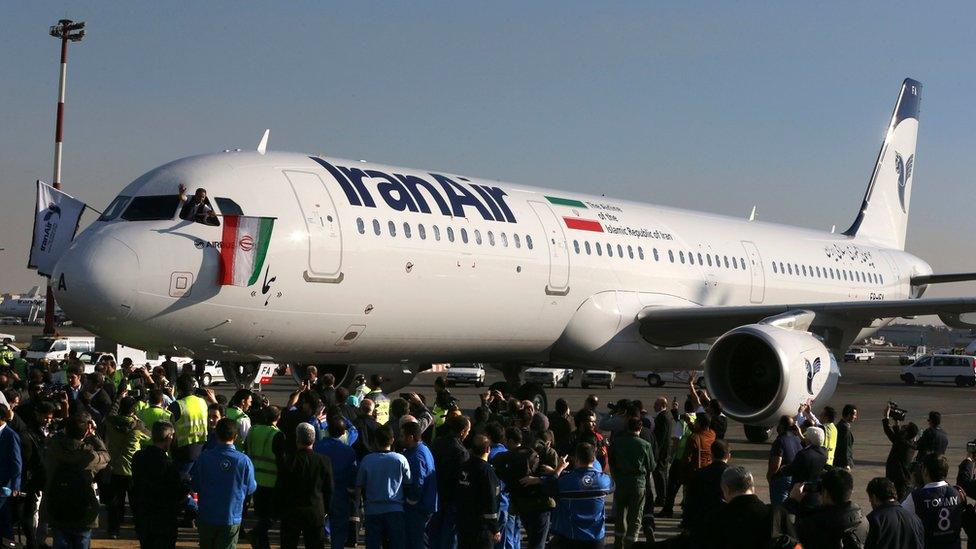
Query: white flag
point(55, 224)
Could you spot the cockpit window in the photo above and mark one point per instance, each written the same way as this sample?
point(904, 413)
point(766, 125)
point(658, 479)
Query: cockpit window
point(114, 209)
point(228, 206)
point(152, 208)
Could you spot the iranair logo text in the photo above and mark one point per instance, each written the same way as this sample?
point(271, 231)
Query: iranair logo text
point(904, 171)
point(418, 194)
point(812, 369)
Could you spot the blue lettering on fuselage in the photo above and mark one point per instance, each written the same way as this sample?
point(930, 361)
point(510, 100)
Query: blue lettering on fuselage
point(412, 193)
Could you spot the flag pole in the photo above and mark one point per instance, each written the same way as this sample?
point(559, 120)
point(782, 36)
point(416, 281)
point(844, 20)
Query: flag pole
point(68, 31)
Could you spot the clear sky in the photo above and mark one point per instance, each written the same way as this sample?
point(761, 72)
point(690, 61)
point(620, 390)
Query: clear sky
point(711, 106)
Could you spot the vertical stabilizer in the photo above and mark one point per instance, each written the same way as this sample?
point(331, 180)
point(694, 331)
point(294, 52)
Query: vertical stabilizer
point(883, 218)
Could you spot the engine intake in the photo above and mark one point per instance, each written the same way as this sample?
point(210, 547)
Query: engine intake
point(760, 372)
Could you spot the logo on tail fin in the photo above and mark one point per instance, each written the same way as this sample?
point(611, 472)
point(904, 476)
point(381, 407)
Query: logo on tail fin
point(904, 171)
point(812, 369)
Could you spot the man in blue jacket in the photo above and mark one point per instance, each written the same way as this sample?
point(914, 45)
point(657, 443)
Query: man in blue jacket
point(11, 467)
point(222, 478)
point(345, 465)
point(579, 518)
point(382, 476)
point(421, 492)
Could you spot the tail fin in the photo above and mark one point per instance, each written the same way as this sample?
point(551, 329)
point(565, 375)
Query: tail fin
point(883, 218)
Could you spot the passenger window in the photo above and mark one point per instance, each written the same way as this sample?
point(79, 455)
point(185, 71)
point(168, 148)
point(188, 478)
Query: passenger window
point(450, 234)
point(437, 233)
point(528, 241)
point(743, 262)
point(406, 229)
point(709, 259)
point(671, 256)
point(576, 246)
point(656, 257)
point(587, 246)
point(718, 262)
point(477, 237)
point(790, 268)
point(228, 206)
point(361, 225)
point(691, 258)
point(518, 241)
point(726, 258)
point(491, 238)
point(464, 235)
point(376, 227)
point(804, 270)
point(152, 208)
point(609, 250)
point(504, 238)
point(392, 227)
point(818, 272)
point(700, 262)
point(620, 252)
point(599, 248)
point(881, 277)
point(681, 255)
point(114, 209)
point(774, 267)
point(422, 232)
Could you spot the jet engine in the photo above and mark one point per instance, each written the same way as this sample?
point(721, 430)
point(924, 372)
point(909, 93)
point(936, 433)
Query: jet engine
point(760, 372)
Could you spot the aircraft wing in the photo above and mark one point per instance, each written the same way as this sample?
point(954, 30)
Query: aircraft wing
point(671, 327)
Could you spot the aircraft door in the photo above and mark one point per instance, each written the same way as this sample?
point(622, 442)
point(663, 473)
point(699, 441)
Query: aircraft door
point(558, 250)
point(757, 290)
point(322, 223)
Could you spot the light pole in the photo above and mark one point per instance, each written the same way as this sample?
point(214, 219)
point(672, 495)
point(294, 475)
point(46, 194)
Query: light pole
point(67, 31)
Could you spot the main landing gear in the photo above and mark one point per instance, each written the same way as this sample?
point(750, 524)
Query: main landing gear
point(512, 386)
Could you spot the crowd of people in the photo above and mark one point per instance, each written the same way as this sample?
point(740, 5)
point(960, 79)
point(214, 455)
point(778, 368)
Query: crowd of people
point(335, 466)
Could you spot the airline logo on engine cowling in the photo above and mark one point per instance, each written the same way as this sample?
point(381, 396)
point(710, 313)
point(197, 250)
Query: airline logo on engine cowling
point(416, 194)
point(812, 369)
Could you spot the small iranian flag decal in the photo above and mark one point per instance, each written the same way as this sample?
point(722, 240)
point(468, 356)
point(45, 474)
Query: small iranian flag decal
point(243, 246)
point(583, 224)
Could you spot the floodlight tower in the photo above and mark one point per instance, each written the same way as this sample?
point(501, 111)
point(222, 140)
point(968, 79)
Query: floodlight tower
point(67, 31)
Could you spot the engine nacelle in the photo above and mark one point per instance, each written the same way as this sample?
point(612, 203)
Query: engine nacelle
point(760, 372)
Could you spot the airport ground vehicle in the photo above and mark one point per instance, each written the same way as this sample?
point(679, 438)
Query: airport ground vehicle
point(10, 321)
point(678, 377)
point(598, 378)
point(548, 377)
point(58, 347)
point(858, 354)
point(913, 353)
point(466, 373)
point(958, 369)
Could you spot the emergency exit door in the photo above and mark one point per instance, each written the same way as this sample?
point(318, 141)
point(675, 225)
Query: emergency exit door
point(321, 224)
point(558, 250)
point(757, 291)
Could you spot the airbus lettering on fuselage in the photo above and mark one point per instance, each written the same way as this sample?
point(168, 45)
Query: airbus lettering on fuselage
point(415, 194)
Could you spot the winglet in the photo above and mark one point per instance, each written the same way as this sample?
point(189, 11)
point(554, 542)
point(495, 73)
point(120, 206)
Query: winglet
point(263, 145)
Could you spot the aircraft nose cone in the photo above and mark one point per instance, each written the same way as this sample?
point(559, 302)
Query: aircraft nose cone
point(95, 282)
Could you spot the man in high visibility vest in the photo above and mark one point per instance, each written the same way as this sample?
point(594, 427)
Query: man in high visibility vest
point(155, 411)
point(189, 416)
point(264, 445)
point(237, 410)
point(7, 353)
point(381, 401)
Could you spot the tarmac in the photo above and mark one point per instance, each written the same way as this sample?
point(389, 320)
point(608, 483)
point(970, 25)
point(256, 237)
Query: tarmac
point(869, 386)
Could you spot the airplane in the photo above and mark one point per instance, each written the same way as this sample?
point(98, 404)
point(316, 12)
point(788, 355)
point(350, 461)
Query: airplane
point(376, 268)
point(29, 306)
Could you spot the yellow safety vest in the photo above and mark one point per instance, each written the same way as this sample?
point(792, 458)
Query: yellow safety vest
point(191, 427)
point(236, 413)
point(151, 414)
point(260, 442)
point(830, 441)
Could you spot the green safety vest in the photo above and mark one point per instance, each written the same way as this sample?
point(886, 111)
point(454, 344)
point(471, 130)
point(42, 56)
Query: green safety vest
point(7, 355)
point(151, 414)
point(830, 441)
point(236, 413)
point(191, 428)
point(259, 444)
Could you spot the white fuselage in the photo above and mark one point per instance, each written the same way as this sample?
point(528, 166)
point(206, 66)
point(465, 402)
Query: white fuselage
point(465, 285)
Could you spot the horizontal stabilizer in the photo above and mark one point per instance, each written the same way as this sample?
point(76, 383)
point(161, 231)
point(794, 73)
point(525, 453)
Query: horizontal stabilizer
point(942, 278)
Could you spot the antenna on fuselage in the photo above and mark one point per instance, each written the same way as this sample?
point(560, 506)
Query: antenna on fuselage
point(752, 214)
point(263, 145)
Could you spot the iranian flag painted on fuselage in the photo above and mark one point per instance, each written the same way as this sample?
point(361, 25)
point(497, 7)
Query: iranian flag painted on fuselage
point(242, 248)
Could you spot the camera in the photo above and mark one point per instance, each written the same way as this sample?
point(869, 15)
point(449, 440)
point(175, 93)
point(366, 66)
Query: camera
point(896, 413)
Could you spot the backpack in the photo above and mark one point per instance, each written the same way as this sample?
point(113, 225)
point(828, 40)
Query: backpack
point(71, 498)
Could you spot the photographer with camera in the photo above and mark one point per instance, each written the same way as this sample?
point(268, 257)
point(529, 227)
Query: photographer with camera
point(898, 466)
point(837, 522)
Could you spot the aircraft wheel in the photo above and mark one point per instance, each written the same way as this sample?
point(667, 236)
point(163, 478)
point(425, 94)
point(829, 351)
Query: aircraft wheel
point(909, 379)
point(535, 393)
point(655, 380)
point(961, 381)
point(756, 434)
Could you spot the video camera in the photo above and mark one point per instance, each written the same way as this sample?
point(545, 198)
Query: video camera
point(622, 406)
point(896, 413)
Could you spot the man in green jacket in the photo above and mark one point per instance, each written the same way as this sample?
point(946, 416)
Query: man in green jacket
point(125, 434)
point(631, 461)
